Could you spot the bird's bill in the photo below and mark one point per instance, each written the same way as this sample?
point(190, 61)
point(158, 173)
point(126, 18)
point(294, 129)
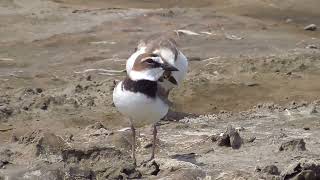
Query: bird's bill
point(168, 67)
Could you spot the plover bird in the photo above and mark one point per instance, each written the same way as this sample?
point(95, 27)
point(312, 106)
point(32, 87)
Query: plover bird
point(137, 97)
point(167, 49)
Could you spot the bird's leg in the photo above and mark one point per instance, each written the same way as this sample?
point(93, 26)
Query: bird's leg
point(133, 146)
point(154, 141)
point(153, 145)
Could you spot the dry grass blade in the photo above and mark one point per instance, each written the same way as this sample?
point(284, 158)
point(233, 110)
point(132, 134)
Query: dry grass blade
point(100, 70)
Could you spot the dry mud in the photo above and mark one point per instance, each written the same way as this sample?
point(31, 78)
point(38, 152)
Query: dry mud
point(249, 108)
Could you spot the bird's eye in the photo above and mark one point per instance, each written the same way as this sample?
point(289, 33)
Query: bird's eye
point(149, 61)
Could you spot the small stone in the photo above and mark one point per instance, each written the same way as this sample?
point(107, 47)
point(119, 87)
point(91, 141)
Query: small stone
point(44, 102)
point(78, 88)
point(39, 90)
point(223, 140)
point(131, 173)
point(251, 139)
point(230, 138)
point(3, 163)
point(271, 169)
point(310, 27)
point(235, 139)
point(28, 91)
point(89, 78)
point(14, 138)
point(312, 109)
point(5, 111)
point(149, 145)
point(289, 73)
point(188, 157)
point(257, 169)
point(306, 128)
point(293, 145)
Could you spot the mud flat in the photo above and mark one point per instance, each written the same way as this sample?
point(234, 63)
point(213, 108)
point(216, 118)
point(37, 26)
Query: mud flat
point(250, 106)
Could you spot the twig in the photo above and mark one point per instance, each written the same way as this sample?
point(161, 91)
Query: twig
point(207, 32)
point(6, 129)
point(214, 63)
point(6, 59)
point(107, 74)
point(188, 32)
point(103, 42)
point(212, 58)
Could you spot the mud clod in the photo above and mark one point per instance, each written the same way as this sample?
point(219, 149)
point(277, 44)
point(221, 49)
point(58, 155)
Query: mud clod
point(30, 137)
point(76, 155)
point(50, 144)
point(5, 111)
point(303, 169)
point(189, 174)
point(150, 168)
point(5, 157)
point(79, 173)
point(293, 145)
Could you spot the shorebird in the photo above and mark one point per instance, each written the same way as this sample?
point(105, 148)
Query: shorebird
point(138, 97)
point(167, 49)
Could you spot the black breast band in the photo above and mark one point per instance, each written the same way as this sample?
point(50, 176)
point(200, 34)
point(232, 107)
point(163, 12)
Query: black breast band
point(149, 88)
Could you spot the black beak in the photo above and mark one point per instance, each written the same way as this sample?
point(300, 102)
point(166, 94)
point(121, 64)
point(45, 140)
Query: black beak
point(168, 67)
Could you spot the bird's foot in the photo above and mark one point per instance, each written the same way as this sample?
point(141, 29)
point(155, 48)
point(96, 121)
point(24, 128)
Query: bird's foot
point(146, 161)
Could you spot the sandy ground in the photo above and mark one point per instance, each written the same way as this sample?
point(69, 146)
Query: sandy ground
point(252, 66)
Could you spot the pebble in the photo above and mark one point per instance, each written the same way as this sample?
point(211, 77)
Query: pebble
point(292, 145)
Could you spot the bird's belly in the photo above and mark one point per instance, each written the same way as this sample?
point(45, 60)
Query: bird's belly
point(141, 109)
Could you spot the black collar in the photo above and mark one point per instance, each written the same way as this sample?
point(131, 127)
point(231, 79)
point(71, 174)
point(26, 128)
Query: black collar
point(147, 87)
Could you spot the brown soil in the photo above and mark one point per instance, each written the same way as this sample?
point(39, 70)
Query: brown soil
point(43, 44)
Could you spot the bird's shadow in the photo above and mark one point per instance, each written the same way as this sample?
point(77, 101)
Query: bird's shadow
point(189, 157)
point(177, 116)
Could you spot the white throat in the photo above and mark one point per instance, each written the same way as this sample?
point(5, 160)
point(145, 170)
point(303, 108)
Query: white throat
point(149, 74)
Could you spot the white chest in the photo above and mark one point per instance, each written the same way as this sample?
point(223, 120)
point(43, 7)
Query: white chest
point(141, 109)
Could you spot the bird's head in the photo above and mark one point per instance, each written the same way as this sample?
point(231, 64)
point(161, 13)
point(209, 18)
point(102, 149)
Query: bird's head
point(148, 66)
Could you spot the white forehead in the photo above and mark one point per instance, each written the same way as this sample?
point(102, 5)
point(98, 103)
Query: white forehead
point(167, 54)
point(156, 59)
